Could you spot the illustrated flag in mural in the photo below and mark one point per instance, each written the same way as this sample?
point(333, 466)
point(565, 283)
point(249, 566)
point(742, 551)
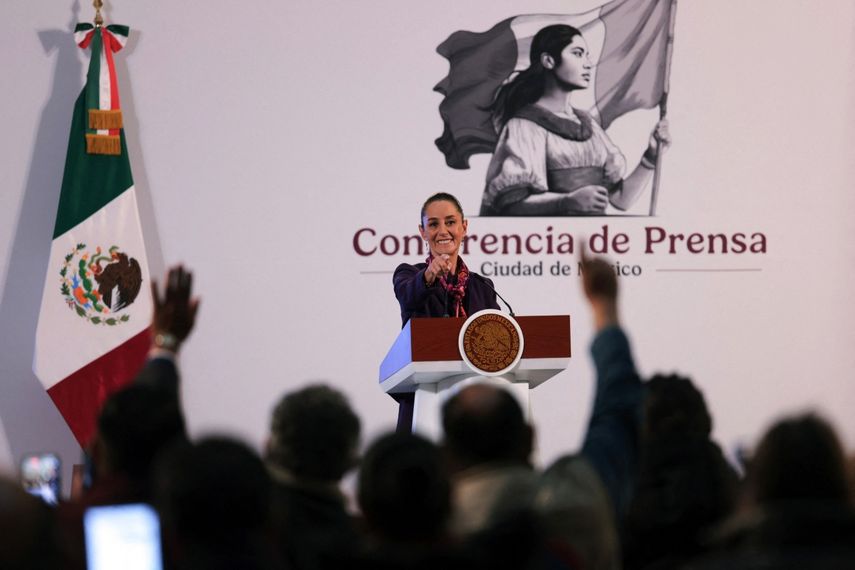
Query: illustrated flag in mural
point(628, 44)
point(92, 335)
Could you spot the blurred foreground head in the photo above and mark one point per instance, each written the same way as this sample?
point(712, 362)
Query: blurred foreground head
point(404, 492)
point(214, 500)
point(577, 514)
point(674, 406)
point(134, 425)
point(314, 435)
point(485, 424)
point(799, 459)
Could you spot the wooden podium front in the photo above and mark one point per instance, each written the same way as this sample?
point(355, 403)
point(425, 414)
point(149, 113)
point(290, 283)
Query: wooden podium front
point(425, 359)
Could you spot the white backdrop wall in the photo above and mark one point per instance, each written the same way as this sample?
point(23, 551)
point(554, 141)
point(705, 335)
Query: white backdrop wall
point(263, 136)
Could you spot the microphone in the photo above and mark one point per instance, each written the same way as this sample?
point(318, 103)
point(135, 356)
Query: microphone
point(450, 279)
point(445, 314)
point(486, 282)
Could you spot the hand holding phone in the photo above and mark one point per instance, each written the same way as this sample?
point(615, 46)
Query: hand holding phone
point(40, 476)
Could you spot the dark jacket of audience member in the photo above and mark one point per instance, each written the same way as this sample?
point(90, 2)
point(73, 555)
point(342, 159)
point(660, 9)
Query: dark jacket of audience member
point(314, 437)
point(405, 498)
point(214, 502)
point(577, 515)
point(27, 533)
point(487, 444)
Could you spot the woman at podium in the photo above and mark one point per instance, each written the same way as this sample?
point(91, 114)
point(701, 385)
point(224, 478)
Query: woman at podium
point(442, 286)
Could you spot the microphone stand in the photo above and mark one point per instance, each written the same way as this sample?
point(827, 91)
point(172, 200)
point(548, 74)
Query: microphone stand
point(445, 290)
point(493, 289)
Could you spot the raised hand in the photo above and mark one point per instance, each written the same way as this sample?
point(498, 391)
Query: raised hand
point(601, 288)
point(175, 311)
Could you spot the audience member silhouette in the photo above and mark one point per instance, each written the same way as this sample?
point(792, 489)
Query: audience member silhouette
point(138, 421)
point(799, 459)
point(577, 515)
point(27, 533)
point(611, 439)
point(797, 510)
point(405, 498)
point(685, 485)
point(403, 492)
point(488, 445)
point(850, 475)
point(583, 495)
point(314, 438)
point(214, 500)
point(134, 425)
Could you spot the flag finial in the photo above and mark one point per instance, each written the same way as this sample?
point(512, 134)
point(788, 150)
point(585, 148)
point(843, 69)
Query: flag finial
point(99, 20)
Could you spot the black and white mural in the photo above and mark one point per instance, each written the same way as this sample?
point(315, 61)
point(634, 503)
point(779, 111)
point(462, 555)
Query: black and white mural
point(539, 93)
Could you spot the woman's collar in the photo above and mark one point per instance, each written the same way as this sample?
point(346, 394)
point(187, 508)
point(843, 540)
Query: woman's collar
point(561, 126)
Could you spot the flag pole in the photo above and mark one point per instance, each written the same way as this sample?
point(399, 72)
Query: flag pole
point(99, 20)
point(663, 103)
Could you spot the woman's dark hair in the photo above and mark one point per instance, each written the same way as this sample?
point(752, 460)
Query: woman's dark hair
point(799, 458)
point(527, 87)
point(440, 197)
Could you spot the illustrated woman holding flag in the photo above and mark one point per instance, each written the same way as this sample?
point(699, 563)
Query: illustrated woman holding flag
point(551, 158)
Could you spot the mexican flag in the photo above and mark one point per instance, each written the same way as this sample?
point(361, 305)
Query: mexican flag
point(628, 44)
point(92, 335)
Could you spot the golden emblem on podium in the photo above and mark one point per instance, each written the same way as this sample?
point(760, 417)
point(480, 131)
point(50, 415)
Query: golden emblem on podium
point(491, 342)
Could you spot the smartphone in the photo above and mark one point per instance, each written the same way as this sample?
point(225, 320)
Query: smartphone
point(40, 476)
point(122, 536)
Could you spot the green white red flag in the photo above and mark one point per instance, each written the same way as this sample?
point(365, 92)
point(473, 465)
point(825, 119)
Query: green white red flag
point(92, 335)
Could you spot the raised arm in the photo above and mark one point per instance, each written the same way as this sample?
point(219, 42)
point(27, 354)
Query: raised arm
point(611, 442)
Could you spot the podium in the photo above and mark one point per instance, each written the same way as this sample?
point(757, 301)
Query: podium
point(426, 359)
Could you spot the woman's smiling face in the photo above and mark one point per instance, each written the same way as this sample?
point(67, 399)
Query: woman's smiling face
point(443, 227)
